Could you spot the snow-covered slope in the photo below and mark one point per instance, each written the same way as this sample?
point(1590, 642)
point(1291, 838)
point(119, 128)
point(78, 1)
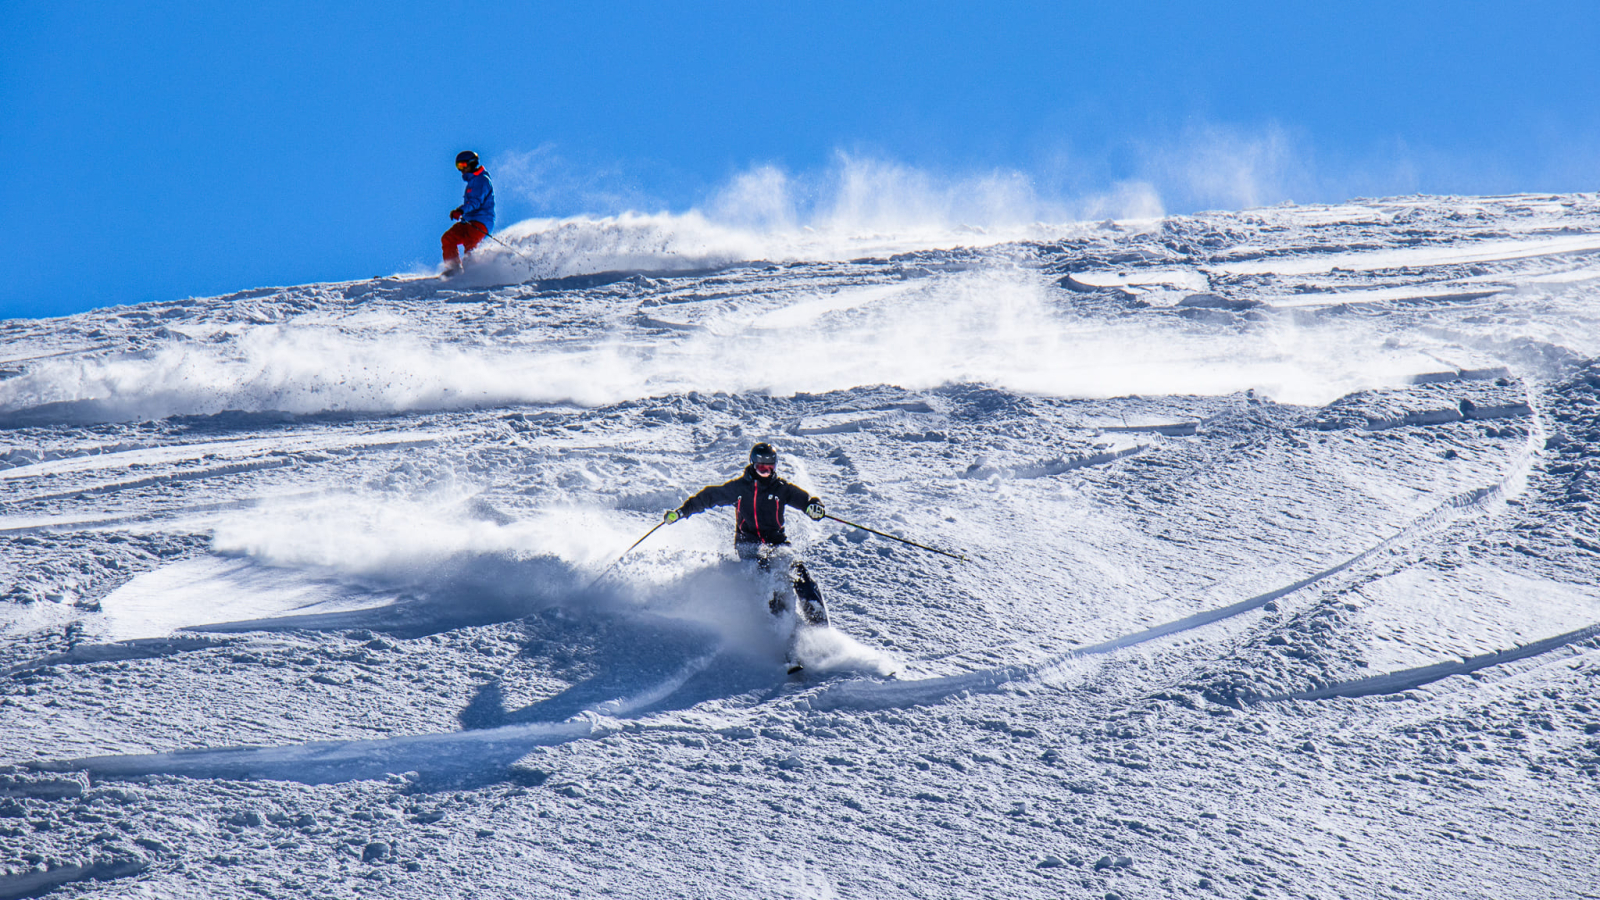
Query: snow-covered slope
point(1281, 569)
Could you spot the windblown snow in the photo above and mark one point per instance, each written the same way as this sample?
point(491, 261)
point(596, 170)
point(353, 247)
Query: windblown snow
point(1281, 568)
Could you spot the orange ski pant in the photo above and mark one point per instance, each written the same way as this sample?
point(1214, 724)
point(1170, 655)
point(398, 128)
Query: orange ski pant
point(462, 234)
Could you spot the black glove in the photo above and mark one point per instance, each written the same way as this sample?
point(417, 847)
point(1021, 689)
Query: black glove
point(455, 214)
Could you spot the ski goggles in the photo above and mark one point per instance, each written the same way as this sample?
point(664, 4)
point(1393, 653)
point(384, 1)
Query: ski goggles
point(765, 469)
point(463, 166)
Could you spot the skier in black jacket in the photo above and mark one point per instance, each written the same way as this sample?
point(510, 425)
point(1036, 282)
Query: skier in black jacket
point(758, 498)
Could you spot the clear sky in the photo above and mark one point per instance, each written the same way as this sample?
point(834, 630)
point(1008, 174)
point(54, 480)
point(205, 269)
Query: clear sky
point(168, 148)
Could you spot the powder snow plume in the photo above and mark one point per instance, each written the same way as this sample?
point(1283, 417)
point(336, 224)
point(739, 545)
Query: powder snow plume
point(998, 325)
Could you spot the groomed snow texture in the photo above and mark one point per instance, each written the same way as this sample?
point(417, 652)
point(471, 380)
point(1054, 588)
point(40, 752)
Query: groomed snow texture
point(1281, 569)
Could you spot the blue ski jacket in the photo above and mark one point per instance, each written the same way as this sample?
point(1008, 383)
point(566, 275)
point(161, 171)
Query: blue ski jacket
point(477, 203)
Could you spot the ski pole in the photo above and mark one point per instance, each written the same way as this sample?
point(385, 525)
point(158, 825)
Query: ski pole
point(895, 538)
point(607, 569)
point(509, 247)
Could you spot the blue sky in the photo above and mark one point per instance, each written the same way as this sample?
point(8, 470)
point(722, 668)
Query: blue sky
point(163, 149)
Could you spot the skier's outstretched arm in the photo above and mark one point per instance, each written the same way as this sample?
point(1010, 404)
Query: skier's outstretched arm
point(797, 498)
point(708, 498)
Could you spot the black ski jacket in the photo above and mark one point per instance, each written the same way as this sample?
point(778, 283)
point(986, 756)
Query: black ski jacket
point(758, 505)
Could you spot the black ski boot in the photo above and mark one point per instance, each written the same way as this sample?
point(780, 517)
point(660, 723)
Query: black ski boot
point(812, 610)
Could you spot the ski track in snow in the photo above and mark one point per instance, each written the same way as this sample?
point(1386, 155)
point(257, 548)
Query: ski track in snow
point(297, 577)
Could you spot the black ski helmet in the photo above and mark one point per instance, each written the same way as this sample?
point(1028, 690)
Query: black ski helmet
point(763, 454)
point(468, 157)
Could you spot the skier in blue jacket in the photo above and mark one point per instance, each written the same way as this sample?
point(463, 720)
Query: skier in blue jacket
point(474, 217)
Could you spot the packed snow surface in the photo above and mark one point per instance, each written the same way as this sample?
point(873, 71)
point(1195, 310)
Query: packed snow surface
point(1280, 576)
